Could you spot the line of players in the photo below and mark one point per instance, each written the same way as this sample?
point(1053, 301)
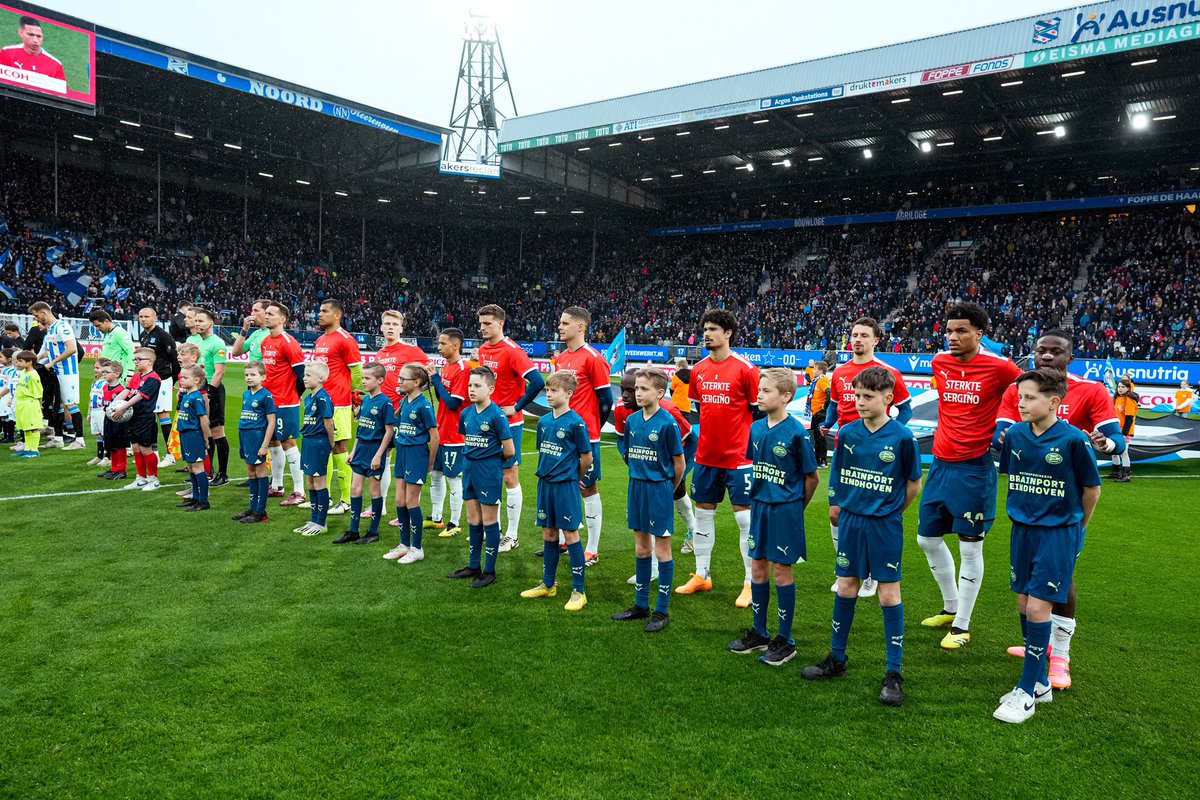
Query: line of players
point(959, 497)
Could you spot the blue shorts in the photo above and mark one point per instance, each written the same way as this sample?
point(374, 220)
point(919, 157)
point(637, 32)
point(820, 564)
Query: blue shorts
point(709, 484)
point(191, 446)
point(449, 460)
point(482, 480)
point(651, 507)
point(361, 463)
point(1042, 560)
point(869, 546)
point(959, 497)
point(559, 505)
point(287, 423)
point(777, 532)
point(411, 463)
point(249, 441)
point(314, 456)
point(689, 455)
point(592, 476)
point(518, 432)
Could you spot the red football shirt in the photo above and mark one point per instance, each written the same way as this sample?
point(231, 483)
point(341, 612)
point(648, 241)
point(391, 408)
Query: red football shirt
point(43, 63)
point(339, 350)
point(280, 355)
point(841, 388)
point(725, 389)
point(591, 371)
point(1087, 405)
point(969, 394)
point(393, 357)
point(621, 413)
point(511, 364)
point(454, 377)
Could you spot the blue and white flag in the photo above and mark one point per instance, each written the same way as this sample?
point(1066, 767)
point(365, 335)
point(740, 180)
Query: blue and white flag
point(1110, 376)
point(991, 345)
point(55, 253)
point(5, 256)
point(122, 293)
point(7, 292)
point(19, 265)
point(108, 283)
point(90, 304)
point(615, 354)
point(74, 286)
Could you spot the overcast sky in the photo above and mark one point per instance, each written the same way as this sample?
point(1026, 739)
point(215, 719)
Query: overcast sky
point(402, 56)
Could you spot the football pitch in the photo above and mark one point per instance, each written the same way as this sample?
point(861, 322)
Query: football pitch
point(153, 653)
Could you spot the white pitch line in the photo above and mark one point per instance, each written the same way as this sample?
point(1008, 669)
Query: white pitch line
point(85, 491)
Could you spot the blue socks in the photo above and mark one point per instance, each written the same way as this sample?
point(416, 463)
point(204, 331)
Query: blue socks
point(760, 598)
point(376, 514)
point(1036, 641)
point(355, 512)
point(200, 486)
point(641, 573)
point(787, 609)
point(666, 575)
point(314, 501)
point(575, 553)
point(893, 635)
point(405, 531)
point(416, 524)
point(843, 616)
point(323, 500)
point(474, 540)
point(491, 546)
point(253, 488)
point(549, 562)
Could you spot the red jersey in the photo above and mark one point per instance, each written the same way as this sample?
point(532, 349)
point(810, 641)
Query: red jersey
point(280, 355)
point(393, 357)
point(1087, 405)
point(590, 369)
point(339, 350)
point(725, 390)
point(454, 377)
point(511, 364)
point(621, 413)
point(969, 394)
point(841, 388)
point(43, 63)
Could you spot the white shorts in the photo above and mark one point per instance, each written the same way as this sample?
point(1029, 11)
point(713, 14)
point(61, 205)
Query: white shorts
point(96, 421)
point(68, 387)
point(166, 394)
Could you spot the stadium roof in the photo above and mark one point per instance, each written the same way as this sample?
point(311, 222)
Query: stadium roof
point(988, 50)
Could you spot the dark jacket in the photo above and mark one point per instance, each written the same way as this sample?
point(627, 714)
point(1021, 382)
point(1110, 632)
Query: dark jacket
point(166, 358)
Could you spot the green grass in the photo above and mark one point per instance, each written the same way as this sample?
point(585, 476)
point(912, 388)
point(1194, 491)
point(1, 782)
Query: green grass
point(148, 653)
point(67, 45)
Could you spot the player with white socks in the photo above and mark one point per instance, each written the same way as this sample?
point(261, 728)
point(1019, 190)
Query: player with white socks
point(960, 490)
point(283, 361)
point(517, 384)
point(392, 356)
point(450, 384)
point(725, 385)
point(865, 334)
point(592, 400)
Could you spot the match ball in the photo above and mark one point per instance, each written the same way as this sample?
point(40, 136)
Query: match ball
point(124, 416)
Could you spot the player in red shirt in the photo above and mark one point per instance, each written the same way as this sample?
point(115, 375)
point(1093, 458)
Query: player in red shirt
point(865, 334)
point(392, 356)
point(339, 350)
point(517, 384)
point(593, 401)
point(284, 363)
point(29, 55)
point(1088, 406)
point(683, 503)
point(450, 385)
point(725, 385)
point(960, 490)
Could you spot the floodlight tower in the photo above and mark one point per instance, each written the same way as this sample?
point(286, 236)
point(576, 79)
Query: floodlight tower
point(482, 84)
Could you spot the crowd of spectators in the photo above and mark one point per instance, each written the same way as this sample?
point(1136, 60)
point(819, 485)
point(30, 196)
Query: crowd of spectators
point(790, 289)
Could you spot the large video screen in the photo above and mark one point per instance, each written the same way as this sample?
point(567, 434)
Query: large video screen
point(44, 54)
